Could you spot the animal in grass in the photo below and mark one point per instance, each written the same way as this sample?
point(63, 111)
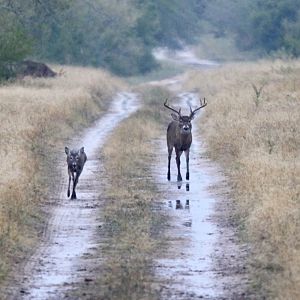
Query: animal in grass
point(75, 160)
point(179, 136)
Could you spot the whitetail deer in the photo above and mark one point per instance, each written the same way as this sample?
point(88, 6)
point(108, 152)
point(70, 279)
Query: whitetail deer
point(179, 136)
point(75, 160)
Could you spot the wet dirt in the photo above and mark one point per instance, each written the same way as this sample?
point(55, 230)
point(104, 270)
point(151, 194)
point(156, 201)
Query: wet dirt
point(65, 255)
point(204, 259)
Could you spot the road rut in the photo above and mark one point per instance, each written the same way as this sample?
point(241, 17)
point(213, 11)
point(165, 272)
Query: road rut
point(70, 237)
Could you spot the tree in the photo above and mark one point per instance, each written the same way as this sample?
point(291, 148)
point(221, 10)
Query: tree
point(264, 25)
point(118, 35)
point(15, 44)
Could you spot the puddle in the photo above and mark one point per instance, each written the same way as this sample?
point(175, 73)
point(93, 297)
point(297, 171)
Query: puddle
point(70, 237)
point(188, 266)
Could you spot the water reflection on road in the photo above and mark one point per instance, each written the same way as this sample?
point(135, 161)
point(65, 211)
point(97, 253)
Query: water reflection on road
point(188, 265)
point(65, 256)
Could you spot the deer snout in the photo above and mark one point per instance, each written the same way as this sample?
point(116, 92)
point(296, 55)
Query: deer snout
point(186, 127)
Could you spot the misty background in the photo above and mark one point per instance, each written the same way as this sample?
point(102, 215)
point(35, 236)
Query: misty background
point(121, 35)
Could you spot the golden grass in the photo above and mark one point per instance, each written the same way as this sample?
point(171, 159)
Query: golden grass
point(37, 116)
point(133, 228)
point(257, 139)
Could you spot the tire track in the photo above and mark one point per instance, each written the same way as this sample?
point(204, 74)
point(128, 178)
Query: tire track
point(65, 256)
point(204, 260)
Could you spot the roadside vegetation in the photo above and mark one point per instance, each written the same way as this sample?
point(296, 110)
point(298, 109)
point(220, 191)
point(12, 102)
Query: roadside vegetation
point(132, 221)
point(37, 116)
point(116, 35)
point(221, 49)
point(256, 27)
point(165, 70)
point(251, 125)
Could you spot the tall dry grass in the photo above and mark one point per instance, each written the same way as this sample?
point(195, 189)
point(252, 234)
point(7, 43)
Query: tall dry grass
point(37, 116)
point(251, 125)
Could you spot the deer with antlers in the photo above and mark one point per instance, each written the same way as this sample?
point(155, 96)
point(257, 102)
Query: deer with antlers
point(179, 136)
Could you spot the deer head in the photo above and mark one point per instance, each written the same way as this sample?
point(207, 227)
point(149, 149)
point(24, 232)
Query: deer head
point(184, 122)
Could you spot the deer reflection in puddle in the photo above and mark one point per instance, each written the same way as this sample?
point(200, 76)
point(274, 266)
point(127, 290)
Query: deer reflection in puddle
point(180, 206)
point(179, 186)
point(186, 211)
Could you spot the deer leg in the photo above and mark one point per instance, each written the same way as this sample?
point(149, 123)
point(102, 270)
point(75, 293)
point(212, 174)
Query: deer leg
point(73, 196)
point(187, 156)
point(169, 162)
point(68, 193)
point(75, 184)
point(178, 154)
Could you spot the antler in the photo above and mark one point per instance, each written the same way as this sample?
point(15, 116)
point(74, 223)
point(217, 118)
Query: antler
point(167, 106)
point(202, 104)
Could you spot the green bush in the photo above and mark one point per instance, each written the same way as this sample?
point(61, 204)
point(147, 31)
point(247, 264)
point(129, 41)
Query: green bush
point(14, 45)
point(268, 26)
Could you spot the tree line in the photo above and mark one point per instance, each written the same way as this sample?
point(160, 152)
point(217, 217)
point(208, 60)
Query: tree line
point(120, 35)
point(265, 26)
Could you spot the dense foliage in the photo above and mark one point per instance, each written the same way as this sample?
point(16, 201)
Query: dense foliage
point(267, 26)
point(118, 35)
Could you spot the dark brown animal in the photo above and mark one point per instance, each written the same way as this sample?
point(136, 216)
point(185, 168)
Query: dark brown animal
point(75, 160)
point(34, 69)
point(179, 136)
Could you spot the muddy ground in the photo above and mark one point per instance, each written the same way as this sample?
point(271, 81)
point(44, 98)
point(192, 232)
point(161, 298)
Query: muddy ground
point(204, 257)
point(70, 238)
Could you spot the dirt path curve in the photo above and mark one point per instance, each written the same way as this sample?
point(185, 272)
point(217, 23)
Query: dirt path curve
point(70, 237)
point(184, 57)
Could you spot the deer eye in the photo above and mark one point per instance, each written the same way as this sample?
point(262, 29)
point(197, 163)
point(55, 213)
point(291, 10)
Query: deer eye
point(71, 157)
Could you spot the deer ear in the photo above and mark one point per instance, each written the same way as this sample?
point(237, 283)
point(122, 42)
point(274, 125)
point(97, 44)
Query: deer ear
point(82, 150)
point(175, 117)
point(67, 150)
point(192, 116)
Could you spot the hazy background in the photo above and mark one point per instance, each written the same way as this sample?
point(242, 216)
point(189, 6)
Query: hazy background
point(120, 35)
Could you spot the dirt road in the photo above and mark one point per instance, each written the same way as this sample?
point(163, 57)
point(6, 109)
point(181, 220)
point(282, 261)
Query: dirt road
point(69, 241)
point(203, 260)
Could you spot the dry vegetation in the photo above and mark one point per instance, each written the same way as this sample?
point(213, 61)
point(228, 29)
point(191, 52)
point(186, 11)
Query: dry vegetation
point(132, 226)
point(220, 49)
point(37, 116)
point(252, 128)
